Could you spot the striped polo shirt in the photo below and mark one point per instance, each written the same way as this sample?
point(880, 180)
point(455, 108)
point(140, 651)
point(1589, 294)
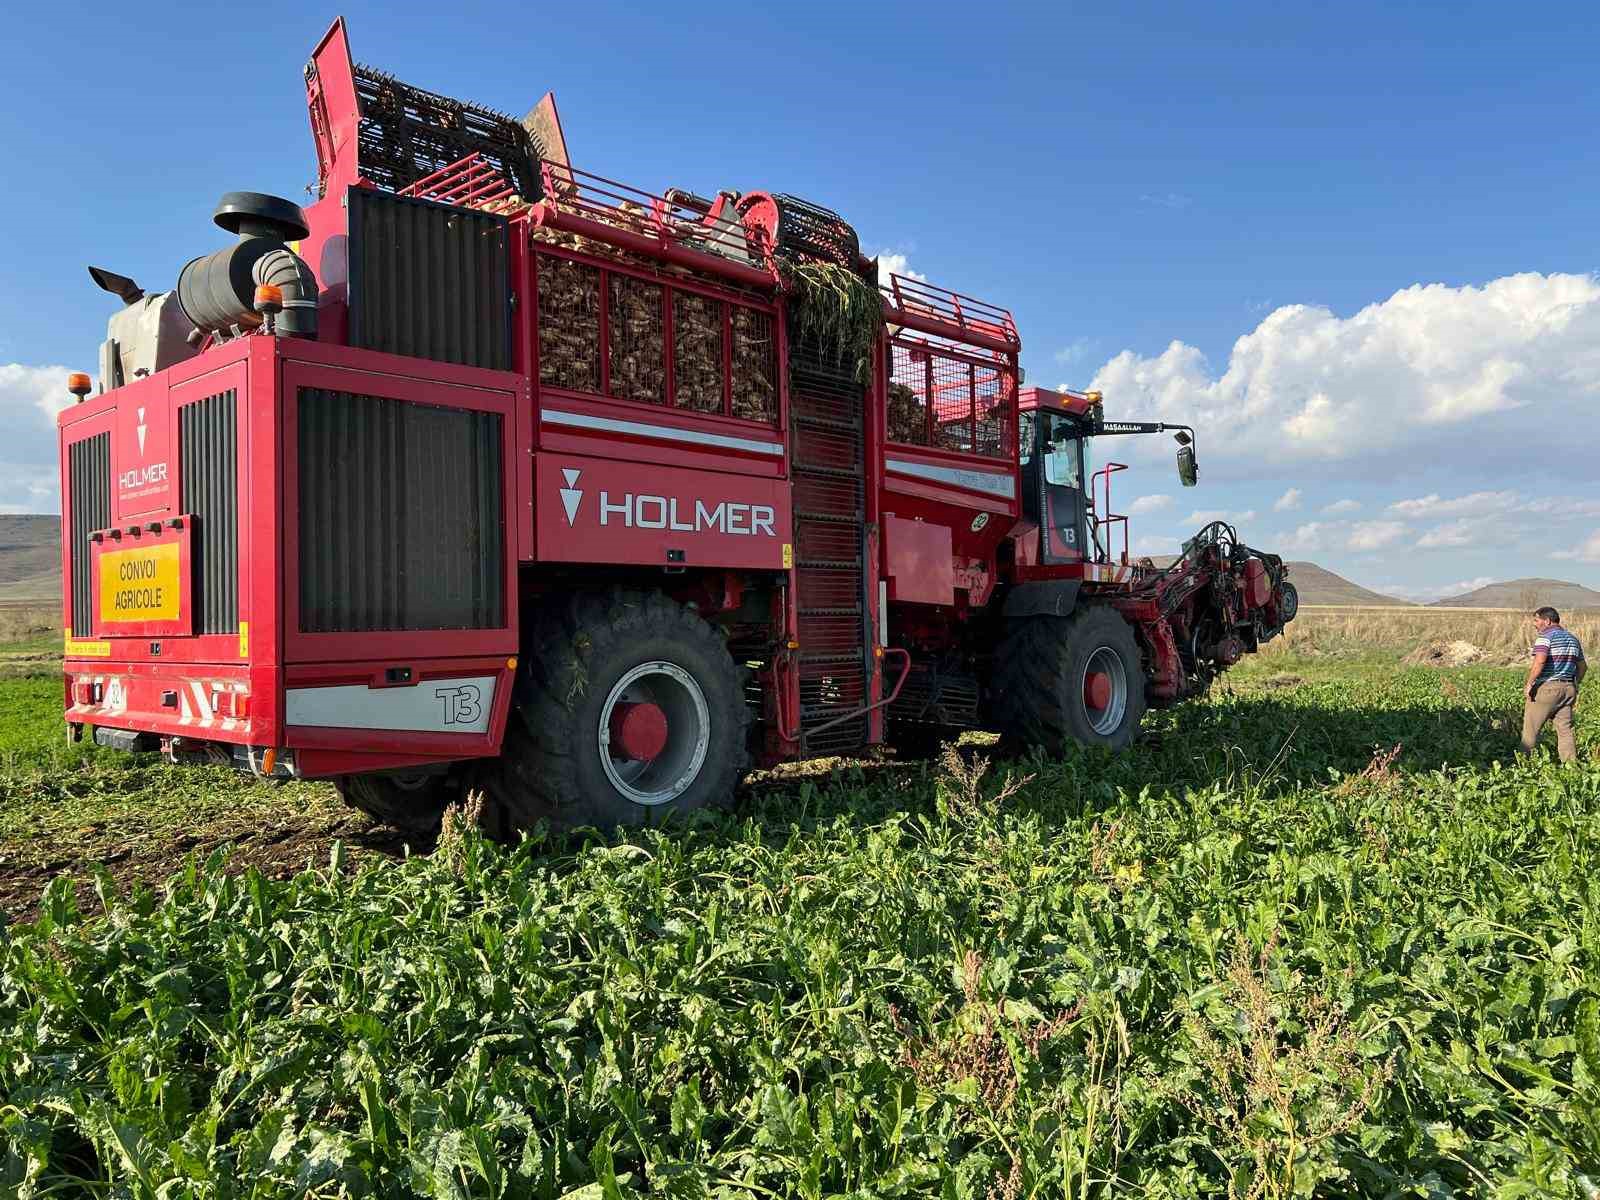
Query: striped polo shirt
point(1565, 654)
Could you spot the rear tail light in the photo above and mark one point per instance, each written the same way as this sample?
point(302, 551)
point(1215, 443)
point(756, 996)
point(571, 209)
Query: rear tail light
point(231, 704)
point(86, 691)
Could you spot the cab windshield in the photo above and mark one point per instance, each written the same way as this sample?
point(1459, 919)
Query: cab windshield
point(1063, 453)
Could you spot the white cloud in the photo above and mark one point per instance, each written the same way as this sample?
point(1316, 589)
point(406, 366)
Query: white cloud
point(1588, 552)
point(30, 397)
point(1288, 502)
point(891, 262)
point(1436, 371)
point(1204, 516)
point(1306, 539)
point(1149, 504)
point(1374, 535)
point(1156, 543)
point(1172, 200)
point(42, 389)
point(1463, 531)
point(1363, 536)
point(1472, 504)
point(1339, 507)
point(1563, 508)
point(1075, 352)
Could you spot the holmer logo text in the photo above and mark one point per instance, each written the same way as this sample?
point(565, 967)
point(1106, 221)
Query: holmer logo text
point(143, 476)
point(640, 511)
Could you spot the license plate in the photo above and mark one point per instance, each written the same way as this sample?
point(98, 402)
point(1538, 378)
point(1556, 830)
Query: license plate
point(142, 588)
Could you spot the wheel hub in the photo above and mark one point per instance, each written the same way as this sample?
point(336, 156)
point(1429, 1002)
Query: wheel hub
point(1097, 690)
point(638, 731)
point(654, 732)
point(1105, 691)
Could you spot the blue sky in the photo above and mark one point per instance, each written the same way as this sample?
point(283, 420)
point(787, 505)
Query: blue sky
point(1354, 245)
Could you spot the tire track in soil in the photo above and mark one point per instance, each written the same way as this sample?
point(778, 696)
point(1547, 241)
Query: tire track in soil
point(277, 851)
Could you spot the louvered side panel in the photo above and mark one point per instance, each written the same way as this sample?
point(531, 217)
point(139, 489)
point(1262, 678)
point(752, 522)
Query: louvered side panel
point(209, 455)
point(401, 515)
point(429, 280)
point(89, 472)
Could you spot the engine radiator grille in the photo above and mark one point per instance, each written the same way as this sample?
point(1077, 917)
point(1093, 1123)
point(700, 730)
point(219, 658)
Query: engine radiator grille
point(401, 515)
point(209, 465)
point(89, 471)
point(429, 280)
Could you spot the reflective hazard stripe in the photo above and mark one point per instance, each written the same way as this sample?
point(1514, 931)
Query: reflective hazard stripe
point(670, 433)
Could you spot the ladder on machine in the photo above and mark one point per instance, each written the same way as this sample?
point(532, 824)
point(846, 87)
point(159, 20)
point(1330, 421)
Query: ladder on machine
point(828, 468)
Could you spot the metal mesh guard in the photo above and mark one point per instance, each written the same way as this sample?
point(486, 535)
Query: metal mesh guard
point(408, 133)
point(808, 230)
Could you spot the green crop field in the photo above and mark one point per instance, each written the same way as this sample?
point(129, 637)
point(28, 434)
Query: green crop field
point(1321, 934)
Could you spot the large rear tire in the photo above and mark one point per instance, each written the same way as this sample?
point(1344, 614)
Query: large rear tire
point(629, 709)
point(1060, 680)
point(410, 803)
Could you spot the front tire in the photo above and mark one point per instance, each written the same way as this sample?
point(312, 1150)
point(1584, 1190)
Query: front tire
point(629, 709)
point(412, 804)
point(1060, 680)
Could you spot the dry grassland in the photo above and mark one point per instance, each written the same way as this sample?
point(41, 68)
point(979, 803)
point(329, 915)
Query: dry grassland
point(1502, 636)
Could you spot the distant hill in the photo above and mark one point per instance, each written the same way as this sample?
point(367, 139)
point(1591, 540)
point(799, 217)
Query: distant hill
point(30, 558)
point(1318, 585)
point(1526, 593)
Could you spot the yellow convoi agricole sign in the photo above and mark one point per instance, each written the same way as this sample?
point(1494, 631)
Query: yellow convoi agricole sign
point(141, 584)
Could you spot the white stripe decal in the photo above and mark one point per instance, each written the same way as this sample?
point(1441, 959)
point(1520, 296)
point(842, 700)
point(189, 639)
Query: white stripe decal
point(977, 481)
point(666, 432)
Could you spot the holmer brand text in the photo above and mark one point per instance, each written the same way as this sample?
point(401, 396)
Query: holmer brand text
point(638, 511)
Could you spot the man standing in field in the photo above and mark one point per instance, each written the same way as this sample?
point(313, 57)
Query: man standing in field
point(1557, 669)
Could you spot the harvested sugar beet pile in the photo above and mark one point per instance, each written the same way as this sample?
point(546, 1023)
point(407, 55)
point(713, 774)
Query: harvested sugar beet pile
point(697, 352)
point(569, 325)
point(1455, 653)
point(908, 415)
point(637, 340)
point(755, 371)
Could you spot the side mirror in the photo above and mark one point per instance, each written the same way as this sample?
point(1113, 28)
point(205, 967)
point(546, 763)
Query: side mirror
point(1188, 469)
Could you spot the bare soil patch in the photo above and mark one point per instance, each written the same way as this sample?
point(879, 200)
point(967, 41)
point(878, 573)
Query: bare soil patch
point(133, 856)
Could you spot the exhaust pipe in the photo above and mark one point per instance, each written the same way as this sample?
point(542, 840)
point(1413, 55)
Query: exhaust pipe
point(217, 291)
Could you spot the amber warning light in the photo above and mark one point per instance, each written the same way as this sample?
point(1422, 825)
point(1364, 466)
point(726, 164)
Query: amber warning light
point(269, 303)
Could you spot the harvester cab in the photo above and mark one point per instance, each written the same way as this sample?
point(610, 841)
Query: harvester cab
point(1070, 503)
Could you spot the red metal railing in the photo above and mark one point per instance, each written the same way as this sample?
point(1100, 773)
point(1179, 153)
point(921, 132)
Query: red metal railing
point(918, 304)
point(601, 199)
point(1105, 519)
point(624, 216)
point(471, 182)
